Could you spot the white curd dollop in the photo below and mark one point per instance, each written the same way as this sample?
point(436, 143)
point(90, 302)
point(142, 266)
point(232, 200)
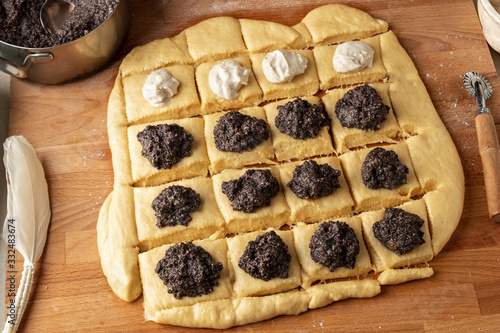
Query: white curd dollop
point(282, 66)
point(352, 57)
point(159, 88)
point(227, 78)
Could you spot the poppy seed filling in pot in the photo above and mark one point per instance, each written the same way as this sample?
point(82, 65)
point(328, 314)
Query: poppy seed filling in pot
point(20, 23)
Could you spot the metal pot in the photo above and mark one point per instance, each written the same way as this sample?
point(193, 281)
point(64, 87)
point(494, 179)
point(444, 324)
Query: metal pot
point(61, 63)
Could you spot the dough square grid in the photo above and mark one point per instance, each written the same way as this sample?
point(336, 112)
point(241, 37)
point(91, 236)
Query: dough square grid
point(413, 129)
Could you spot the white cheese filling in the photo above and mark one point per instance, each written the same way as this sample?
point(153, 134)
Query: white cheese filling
point(282, 66)
point(352, 57)
point(159, 88)
point(227, 78)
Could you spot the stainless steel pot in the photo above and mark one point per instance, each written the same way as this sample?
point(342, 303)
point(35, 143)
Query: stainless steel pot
point(65, 62)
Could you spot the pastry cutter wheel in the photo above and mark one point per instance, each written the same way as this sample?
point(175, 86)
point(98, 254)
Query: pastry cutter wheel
point(478, 86)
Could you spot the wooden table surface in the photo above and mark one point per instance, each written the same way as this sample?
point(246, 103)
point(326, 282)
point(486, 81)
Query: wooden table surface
point(67, 126)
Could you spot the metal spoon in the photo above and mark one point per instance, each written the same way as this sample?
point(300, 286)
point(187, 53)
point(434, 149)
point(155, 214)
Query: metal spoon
point(54, 13)
point(489, 148)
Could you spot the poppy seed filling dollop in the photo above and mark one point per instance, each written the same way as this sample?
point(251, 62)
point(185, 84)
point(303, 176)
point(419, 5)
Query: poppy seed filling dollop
point(174, 204)
point(266, 257)
point(334, 244)
point(312, 180)
point(188, 270)
point(301, 120)
point(399, 231)
point(361, 108)
point(165, 144)
point(254, 189)
point(237, 132)
point(382, 169)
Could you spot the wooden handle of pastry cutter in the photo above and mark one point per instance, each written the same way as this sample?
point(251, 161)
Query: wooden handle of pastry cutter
point(490, 157)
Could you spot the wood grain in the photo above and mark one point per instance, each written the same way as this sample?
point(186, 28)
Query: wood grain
point(490, 159)
point(67, 126)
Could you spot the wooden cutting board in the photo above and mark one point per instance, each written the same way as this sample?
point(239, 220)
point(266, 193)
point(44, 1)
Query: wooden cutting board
point(67, 126)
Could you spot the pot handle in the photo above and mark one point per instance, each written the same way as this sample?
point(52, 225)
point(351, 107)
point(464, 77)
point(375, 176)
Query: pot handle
point(21, 70)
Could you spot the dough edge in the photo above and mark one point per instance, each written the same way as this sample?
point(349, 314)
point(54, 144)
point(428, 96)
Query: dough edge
point(226, 313)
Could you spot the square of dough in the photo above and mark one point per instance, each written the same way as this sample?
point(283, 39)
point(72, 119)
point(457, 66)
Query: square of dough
point(253, 309)
point(219, 314)
point(382, 257)
point(183, 105)
point(326, 293)
point(339, 203)
point(275, 215)
point(372, 199)
point(305, 39)
point(220, 160)
point(246, 285)
point(346, 138)
point(144, 174)
point(306, 83)
point(249, 95)
point(337, 23)
point(215, 38)
point(121, 224)
point(156, 54)
point(312, 271)
point(206, 220)
point(286, 147)
point(262, 36)
point(329, 77)
point(156, 296)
